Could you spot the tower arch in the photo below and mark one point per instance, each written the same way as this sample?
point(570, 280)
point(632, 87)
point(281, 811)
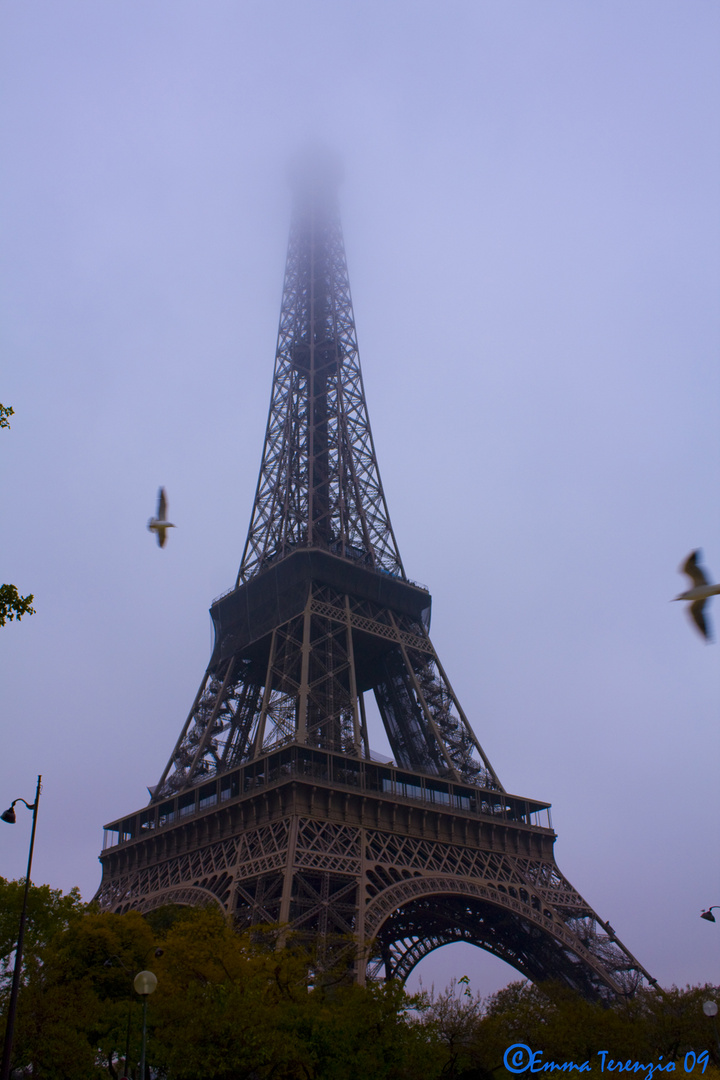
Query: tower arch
point(414, 917)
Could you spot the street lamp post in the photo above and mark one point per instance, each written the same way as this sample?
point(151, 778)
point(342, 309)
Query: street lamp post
point(709, 913)
point(9, 817)
point(109, 963)
point(711, 1010)
point(145, 983)
point(126, 1068)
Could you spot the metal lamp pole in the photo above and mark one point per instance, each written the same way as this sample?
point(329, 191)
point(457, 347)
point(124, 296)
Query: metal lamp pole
point(145, 983)
point(109, 963)
point(126, 1069)
point(9, 816)
point(711, 1010)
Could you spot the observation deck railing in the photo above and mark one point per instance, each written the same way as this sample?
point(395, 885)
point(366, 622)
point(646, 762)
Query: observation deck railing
point(334, 770)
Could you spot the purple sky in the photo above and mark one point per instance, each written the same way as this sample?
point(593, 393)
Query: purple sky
point(532, 227)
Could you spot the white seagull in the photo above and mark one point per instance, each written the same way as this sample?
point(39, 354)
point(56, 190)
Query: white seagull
point(159, 525)
point(698, 595)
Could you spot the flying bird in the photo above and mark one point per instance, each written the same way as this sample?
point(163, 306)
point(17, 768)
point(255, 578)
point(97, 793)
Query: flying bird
point(159, 524)
point(698, 595)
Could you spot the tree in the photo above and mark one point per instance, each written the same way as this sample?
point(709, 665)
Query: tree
point(12, 605)
point(228, 1006)
point(258, 1006)
point(565, 1027)
point(452, 1019)
point(234, 1006)
point(49, 911)
point(73, 1013)
point(211, 1014)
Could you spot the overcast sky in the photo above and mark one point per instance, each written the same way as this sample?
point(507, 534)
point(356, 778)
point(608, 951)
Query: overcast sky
point(532, 229)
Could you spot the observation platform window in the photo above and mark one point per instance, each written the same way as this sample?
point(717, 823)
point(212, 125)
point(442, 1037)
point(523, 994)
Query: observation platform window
point(313, 763)
point(494, 809)
point(464, 800)
point(438, 793)
point(539, 816)
point(410, 787)
point(186, 804)
point(255, 775)
point(147, 820)
point(377, 779)
point(517, 811)
point(111, 838)
point(346, 772)
point(128, 829)
point(229, 787)
point(281, 764)
point(166, 813)
point(208, 796)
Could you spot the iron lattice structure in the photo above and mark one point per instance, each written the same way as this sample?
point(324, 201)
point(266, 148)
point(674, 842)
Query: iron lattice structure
point(272, 804)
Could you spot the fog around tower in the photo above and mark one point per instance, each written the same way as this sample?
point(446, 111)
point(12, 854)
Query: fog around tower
point(530, 213)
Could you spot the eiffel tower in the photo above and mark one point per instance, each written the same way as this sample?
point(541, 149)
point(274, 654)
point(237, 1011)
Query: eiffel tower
point(272, 804)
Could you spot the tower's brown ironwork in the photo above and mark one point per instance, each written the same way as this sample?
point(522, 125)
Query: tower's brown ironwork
point(272, 804)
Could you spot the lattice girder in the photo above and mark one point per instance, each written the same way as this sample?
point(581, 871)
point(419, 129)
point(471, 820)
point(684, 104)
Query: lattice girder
point(319, 482)
point(305, 856)
point(303, 682)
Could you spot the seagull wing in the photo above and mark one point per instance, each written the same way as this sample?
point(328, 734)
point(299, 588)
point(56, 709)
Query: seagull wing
point(692, 568)
point(697, 613)
point(161, 535)
point(162, 505)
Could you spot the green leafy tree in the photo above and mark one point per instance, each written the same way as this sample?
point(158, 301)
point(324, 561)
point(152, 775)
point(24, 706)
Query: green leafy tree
point(211, 1014)
point(566, 1027)
point(73, 1013)
point(358, 1032)
point(556, 1021)
point(49, 911)
point(252, 1006)
point(675, 1021)
point(234, 1006)
point(452, 1018)
point(12, 604)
